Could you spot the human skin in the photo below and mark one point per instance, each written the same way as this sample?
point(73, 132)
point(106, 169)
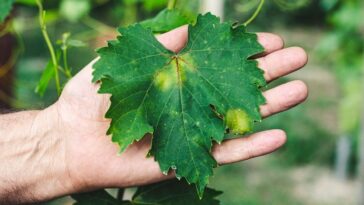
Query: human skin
point(64, 148)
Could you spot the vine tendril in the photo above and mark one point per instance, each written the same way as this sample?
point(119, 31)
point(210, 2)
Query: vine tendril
point(255, 14)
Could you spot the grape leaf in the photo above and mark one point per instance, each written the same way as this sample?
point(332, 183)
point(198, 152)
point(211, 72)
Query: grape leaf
point(171, 192)
point(5, 8)
point(100, 197)
point(186, 99)
point(166, 20)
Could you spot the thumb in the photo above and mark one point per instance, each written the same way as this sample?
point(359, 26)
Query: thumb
point(174, 40)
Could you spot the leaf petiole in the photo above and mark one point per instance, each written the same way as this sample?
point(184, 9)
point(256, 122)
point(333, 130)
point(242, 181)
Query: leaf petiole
point(255, 14)
point(171, 4)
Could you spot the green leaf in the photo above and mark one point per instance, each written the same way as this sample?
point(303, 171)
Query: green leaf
point(182, 98)
point(5, 8)
point(100, 197)
point(151, 5)
point(351, 102)
point(171, 192)
point(76, 43)
point(327, 5)
point(348, 17)
point(131, 2)
point(47, 76)
point(166, 20)
point(27, 2)
point(73, 10)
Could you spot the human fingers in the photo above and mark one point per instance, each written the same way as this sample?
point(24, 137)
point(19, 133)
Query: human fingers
point(254, 145)
point(284, 97)
point(282, 62)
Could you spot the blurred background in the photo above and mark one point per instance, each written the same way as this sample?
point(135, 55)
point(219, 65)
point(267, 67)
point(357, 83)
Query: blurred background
point(323, 160)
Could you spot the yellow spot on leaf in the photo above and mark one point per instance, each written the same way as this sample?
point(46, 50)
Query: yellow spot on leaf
point(238, 121)
point(164, 80)
point(174, 73)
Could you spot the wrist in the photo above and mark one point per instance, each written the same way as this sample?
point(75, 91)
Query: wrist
point(50, 155)
point(32, 164)
point(32, 152)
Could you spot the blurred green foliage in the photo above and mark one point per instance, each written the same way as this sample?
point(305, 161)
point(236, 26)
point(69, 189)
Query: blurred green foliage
point(343, 48)
point(5, 8)
point(73, 11)
point(292, 5)
point(307, 142)
point(244, 188)
point(89, 23)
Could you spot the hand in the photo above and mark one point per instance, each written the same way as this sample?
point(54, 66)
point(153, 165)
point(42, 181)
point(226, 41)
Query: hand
point(91, 158)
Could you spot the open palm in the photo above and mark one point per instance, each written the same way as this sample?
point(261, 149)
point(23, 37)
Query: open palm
point(91, 157)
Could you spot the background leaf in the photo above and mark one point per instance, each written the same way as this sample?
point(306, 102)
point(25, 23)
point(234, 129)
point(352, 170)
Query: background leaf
point(47, 76)
point(75, 10)
point(100, 197)
point(166, 20)
point(172, 192)
point(27, 2)
point(5, 8)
